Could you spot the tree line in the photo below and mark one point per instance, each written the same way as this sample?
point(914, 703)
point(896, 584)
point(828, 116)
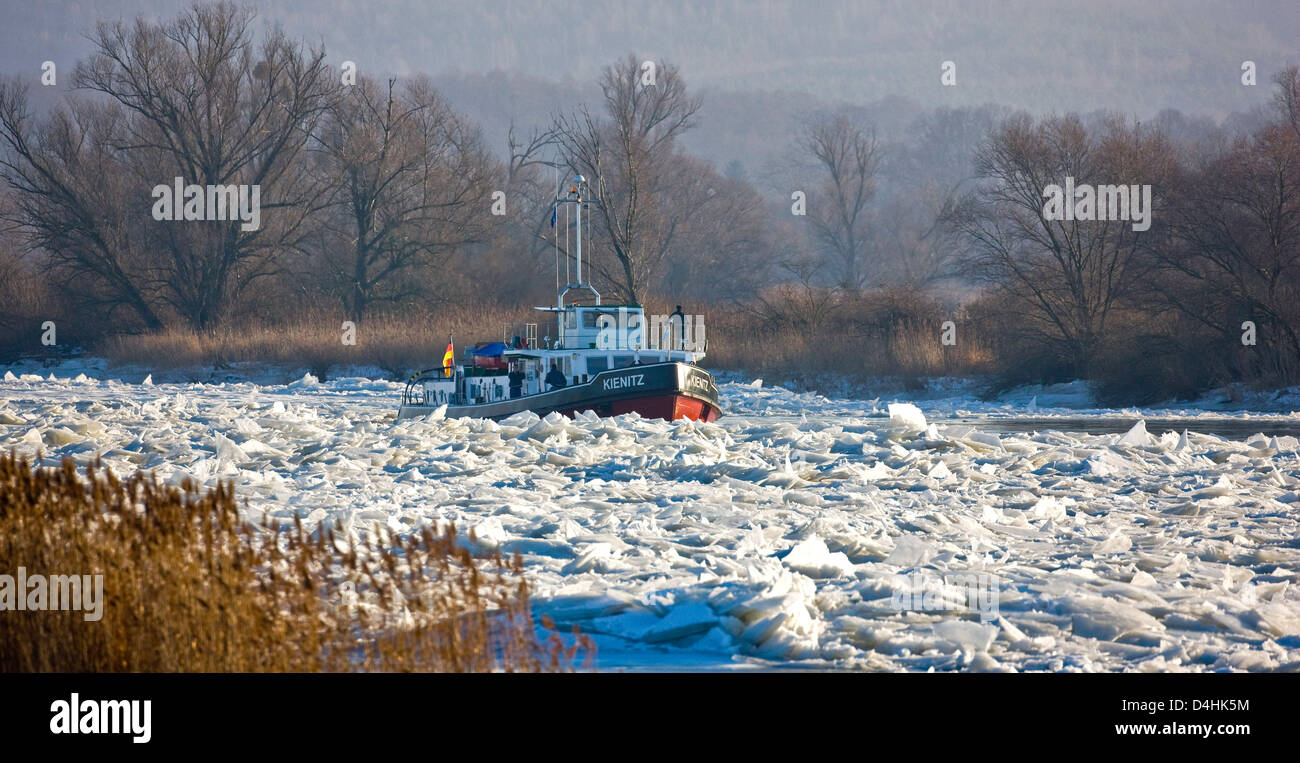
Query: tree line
point(377, 198)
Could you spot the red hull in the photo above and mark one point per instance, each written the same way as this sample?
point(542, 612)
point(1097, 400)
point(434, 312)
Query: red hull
point(670, 406)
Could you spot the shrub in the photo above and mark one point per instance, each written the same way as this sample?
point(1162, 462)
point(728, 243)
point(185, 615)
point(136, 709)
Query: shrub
point(874, 334)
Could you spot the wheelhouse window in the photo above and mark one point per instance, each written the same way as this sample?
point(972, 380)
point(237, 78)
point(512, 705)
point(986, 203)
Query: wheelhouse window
point(591, 318)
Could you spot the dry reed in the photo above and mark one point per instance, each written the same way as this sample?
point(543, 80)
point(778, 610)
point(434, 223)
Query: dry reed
point(188, 586)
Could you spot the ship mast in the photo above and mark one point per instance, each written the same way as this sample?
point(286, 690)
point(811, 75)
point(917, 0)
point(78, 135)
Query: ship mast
point(574, 197)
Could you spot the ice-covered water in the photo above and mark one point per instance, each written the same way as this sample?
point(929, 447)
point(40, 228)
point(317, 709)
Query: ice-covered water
point(793, 532)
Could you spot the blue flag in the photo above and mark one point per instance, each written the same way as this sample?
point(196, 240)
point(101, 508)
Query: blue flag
point(553, 210)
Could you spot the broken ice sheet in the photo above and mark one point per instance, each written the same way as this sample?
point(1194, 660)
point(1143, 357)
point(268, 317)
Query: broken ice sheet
point(773, 535)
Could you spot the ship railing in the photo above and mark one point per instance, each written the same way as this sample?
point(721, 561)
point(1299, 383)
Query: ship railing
point(526, 333)
point(415, 392)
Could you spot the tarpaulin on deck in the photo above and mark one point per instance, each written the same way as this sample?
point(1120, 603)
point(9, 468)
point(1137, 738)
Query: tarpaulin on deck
point(493, 350)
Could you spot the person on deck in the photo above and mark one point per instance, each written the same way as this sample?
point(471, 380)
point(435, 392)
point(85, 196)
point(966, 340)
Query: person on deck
point(516, 378)
point(677, 341)
point(555, 377)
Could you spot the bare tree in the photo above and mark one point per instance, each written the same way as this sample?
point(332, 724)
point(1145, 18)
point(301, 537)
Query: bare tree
point(626, 158)
point(206, 102)
point(413, 184)
point(1235, 254)
point(532, 172)
point(910, 236)
point(919, 180)
point(76, 200)
point(1067, 277)
point(847, 157)
point(1286, 100)
point(723, 247)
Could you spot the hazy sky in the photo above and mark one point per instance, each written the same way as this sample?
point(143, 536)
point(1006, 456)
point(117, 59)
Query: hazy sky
point(1131, 55)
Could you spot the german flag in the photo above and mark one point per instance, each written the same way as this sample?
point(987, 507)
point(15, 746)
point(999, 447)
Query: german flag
point(447, 358)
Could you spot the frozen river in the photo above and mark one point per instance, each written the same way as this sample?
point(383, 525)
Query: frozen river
point(797, 532)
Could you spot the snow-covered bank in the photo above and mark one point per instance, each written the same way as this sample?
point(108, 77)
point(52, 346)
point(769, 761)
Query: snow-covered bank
point(959, 397)
point(781, 535)
point(100, 369)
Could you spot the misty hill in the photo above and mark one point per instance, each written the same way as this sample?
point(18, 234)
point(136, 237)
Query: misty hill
point(1116, 54)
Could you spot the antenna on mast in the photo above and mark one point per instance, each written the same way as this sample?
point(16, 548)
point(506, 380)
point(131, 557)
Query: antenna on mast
point(577, 187)
point(555, 234)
